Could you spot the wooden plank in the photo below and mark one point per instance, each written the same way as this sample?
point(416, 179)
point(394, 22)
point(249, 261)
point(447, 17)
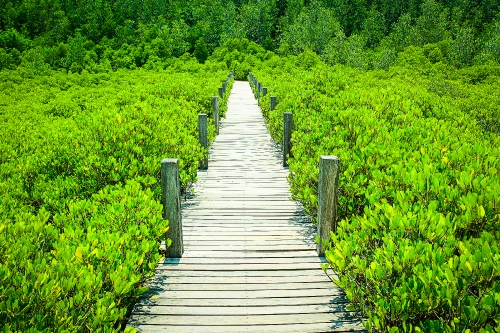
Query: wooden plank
point(213, 234)
point(295, 247)
point(249, 236)
point(239, 267)
point(204, 286)
point(244, 294)
point(241, 310)
point(153, 300)
point(279, 319)
point(265, 216)
point(301, 328)
point(164, 277)
point(291, 244)
point(250, 254)
point(258, 273)
point(228, 261)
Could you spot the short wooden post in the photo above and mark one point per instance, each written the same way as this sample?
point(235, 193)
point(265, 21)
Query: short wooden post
point(259, 90)
point(287, 135)
point(273, 103)
point(221, 92)
point(171, 199)
point(224, 86)
point(203, 131)
point(329, 167)
point(264, 91)
point(215, 112)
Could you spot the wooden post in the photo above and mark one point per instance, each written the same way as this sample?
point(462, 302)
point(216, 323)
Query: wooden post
point(215, 112)
point(287, 135)
point(264, 91)
point(329, 167)
point(273, 103)
point(259, 90)
point(171, 198)
point(202, 131)
point(224, 86)
point(221, 92)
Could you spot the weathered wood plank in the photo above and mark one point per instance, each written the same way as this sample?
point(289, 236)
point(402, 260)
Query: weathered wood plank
point(242, 310)
point(244, 294)
point(279, 319)
point(239, 267)
point(218, 261)
point(301, 328)
point(258, 273)
point(204, 286)
point(298, 247)
point(164, 277)
point(152, 300)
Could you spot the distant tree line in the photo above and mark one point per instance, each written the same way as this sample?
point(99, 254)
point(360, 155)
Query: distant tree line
point(97, 34)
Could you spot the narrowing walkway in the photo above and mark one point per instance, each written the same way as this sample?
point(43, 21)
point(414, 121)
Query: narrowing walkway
point(250, 263)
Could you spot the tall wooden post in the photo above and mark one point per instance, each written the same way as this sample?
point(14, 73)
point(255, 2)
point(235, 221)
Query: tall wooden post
point(329, 167)
point(287, 136)
point(264, 91)
point(171, 199)
point(224, 86)
point(273, 103)
point(221, 92)
point(259, 90)
point(203, 137)
point(215, 112)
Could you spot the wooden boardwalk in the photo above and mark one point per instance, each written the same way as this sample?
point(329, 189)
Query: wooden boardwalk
point(250, 263)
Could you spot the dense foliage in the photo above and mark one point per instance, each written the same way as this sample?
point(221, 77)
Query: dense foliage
point(418, 245)
point(80, 212)
point(93, 35)
point(93, 94)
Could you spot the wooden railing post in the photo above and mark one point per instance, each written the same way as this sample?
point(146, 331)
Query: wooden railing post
point(273, 103)
point(203, 137)
point(264, 91)
point(221, 92)
point(224, 86)
point(259, 90)
point(287, 135)
point(171, 199)
point(215, 112)
point(329, 167)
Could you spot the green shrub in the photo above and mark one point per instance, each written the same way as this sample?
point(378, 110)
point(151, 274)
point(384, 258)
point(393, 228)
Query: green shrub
point(417, 246)
point(80, 212)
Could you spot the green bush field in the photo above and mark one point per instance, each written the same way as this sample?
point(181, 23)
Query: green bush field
point(417, 243)
point(80, 207)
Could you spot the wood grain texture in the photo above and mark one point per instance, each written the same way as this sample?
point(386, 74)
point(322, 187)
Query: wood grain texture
point(250, 261)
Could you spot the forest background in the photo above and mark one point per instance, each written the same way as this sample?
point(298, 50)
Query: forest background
point(98, 35)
